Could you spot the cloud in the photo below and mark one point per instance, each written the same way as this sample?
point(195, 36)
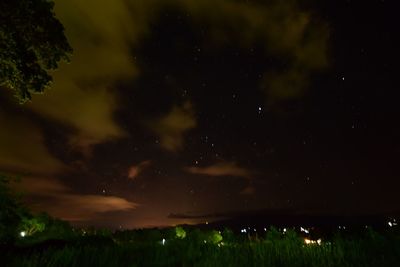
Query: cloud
point(221, 169)
point(248, 190)
point(103, 33)
point(100, 33)
point(74, 207)
point(23, 149)
point(196, 216)
point(289, 33)
point(135, 170)
point(227, 169)
point(172, 127)
point(52, 196)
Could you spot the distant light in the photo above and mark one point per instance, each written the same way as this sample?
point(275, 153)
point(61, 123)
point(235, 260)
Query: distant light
point(304, 230)
point(310, 242)
point(284, 230)
point(206, 222)
point(390, 224)
point(265, 229)
point(22, 234)
point(163, 241)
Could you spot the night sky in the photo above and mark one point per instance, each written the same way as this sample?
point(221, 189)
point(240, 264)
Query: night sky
point(181, 108)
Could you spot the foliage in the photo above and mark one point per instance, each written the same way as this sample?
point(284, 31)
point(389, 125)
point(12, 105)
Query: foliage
point(273, 234)
point(370, 249)
point(31, 226)
point(32, 42)
point(214, 237)
point(52, 242)
point(180, 232)
point(228, 235)
point(16, 219)
point(11, 210)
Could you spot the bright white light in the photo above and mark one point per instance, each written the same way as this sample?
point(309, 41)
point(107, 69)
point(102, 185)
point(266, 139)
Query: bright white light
point(284, 230)
point(390, 224)
point(265, 229)
point(23, 233)
point(243, 231)
point(304, 230)
point(163, 241)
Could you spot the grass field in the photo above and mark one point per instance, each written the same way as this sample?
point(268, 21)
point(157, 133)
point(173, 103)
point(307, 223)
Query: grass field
point(200, 248)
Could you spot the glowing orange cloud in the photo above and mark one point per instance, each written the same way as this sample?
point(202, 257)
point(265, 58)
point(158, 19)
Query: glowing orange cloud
point(67, 205)
point(221, 169)
point(134, 171)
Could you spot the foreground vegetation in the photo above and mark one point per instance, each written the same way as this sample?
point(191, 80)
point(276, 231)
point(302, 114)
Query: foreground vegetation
point(169, 247)
point(39, 240)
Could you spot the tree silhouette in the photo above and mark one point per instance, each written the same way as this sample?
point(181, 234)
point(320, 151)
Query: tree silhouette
point(11, 210)
point(32, 42)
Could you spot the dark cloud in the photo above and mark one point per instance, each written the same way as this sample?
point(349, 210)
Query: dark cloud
point(227, 169)
point(287, 31)
point(102, 34)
